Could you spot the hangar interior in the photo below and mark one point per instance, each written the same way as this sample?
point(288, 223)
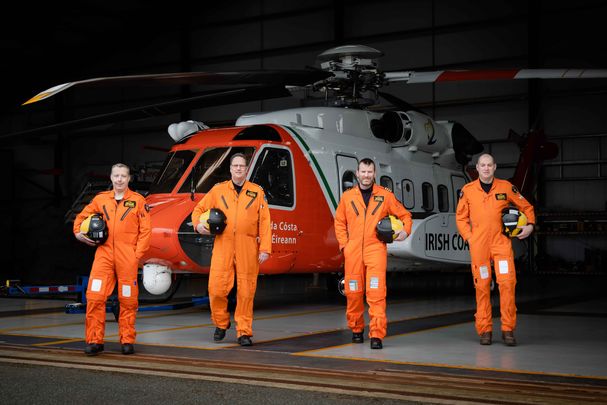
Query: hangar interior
point(49, 165)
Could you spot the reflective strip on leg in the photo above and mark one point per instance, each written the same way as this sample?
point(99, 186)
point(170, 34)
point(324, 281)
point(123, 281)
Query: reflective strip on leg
point(353, 285)
point(374, 282)
point(484, 272)
point(503, 266)
point(96, 285)
point(126, 290)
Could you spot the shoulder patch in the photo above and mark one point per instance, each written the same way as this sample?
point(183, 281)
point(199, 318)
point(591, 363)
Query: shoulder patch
point(147, 208)
point(461, 193)
point(514, 190)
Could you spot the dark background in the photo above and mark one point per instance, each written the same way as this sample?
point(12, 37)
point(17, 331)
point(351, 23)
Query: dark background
point(46, 44)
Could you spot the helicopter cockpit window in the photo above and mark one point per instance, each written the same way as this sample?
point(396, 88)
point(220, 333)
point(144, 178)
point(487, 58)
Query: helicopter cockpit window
point(348, 180)
point(408, 194)
point(171, 171)
point(443, 198)
point(274, 172)
point(386, 182)
point(427, 197)
point(212, 167)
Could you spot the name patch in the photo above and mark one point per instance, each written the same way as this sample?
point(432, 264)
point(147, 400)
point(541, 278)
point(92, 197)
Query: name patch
point(501, 196)
point(251, 194)
point(130, 204)
point(378, 198)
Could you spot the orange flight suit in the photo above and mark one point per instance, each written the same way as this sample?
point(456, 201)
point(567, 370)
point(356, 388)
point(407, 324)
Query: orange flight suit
point(365, 255)
point(479, 221)
point(129, 230)
point(237, 248)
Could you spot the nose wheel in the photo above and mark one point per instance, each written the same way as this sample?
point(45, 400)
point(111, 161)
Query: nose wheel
point(341, 286)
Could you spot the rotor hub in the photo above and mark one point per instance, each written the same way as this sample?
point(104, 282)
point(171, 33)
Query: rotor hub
point(355, 72)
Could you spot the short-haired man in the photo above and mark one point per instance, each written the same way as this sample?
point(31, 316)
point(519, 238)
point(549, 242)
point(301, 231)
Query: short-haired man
point(478, 217)
point(356, 218)
point(245, 243)
point(116, 260)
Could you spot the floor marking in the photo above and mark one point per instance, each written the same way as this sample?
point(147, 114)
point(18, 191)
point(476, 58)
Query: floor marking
point(439, 365)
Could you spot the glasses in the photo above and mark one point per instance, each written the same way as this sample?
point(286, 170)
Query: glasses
point(236, 166)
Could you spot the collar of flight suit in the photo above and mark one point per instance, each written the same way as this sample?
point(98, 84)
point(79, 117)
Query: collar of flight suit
point(493, 185)
point(125, 197)
point(244, 185)
point(359, 195)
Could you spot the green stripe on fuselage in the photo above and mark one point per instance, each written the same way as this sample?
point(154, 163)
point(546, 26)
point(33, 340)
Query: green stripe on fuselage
point(315, 162)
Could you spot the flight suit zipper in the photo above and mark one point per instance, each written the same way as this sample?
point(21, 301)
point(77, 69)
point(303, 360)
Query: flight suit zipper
point(125, 213)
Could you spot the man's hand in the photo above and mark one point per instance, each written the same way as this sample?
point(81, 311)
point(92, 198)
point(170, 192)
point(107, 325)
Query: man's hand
point(526, 231)
point(84, 239)
point(401, 235)
point(201, 229)
point(263, 256)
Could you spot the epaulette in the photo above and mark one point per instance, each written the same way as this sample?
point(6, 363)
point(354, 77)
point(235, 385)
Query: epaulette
point(137, 194)
point(256, 185)
point(387, 189)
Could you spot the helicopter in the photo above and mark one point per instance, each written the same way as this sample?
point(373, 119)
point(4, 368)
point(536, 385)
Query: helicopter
point(305, 158)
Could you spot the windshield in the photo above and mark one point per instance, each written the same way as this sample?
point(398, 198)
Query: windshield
point(213, 167)
point(173, 168)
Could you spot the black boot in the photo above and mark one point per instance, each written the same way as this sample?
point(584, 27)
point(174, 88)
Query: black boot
point(93, 349)
point(245, 340)
point(357, 337)
point(220, 333)
point(376, 343)
point(128, 348)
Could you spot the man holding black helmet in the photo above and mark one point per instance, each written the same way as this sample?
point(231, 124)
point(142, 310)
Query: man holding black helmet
point(128, 228)
point(479, 221)
point(244, 244)
point(359, 212)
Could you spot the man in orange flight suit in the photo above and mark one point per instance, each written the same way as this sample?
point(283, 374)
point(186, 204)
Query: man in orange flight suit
point(478, 217)
point(245, 243)
point(129, 228)
point(356, 218)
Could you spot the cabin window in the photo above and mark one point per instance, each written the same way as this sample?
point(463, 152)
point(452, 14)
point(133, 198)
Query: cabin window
point(386, 182)
point(348, 180)
point(274, 172)
point(443, 198)
point(427, 197)
point(212, 167)
point(172, 169)
point(408, 194)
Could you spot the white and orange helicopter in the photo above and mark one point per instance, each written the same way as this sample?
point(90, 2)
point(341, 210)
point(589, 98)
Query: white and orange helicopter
point(305, 158)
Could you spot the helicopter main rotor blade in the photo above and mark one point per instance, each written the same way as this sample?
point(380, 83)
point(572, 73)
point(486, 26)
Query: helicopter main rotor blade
point(493, 74)
point(260, 77)
point(205, 100)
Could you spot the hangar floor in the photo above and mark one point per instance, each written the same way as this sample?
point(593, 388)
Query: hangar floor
point(431, 353)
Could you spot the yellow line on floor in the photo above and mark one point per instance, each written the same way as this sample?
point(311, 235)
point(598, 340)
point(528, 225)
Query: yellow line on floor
point(7, 330)
point(58, 342)
point(56, 325)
